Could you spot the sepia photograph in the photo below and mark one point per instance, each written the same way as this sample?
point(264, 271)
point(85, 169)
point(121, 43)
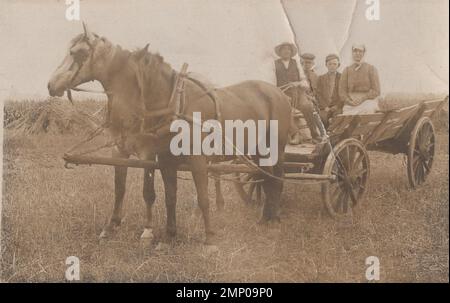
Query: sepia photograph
point(224, 141)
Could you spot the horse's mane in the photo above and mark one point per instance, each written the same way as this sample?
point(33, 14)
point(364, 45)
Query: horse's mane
point(152, 70)
point(152, 62)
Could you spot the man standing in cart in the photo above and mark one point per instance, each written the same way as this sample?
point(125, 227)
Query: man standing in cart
point(292, 80)
point(359, 87)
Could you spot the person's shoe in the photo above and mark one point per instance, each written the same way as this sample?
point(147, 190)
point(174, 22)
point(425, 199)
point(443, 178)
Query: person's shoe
point(295, 139)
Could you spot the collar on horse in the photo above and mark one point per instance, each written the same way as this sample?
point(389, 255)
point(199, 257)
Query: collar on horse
point(175, 107)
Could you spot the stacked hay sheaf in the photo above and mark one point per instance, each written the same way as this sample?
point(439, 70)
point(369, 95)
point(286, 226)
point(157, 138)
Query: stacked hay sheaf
point(53, 116)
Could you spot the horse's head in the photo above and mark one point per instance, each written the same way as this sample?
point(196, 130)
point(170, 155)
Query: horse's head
point(82, 63)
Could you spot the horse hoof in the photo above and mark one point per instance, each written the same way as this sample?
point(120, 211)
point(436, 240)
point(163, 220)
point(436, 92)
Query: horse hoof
point(162, 247)
point(103, 235)
point(147, 234)
point(209, 250)
point(147, 237)
point(269, 221)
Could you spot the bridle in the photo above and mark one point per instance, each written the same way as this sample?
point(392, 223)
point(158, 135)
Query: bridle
point(80, 61)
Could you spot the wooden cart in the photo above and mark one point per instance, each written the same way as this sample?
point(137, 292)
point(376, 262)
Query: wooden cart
point(407, 130)
point(342, 164)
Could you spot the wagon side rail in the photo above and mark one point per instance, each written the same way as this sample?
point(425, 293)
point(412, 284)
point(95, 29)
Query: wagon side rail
point(391, 127)
point(395, 138)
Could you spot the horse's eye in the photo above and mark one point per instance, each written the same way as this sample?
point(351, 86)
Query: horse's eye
point(79, 55)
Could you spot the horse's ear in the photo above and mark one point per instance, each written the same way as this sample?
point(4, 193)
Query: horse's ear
point(87, 33)
point(140, 53)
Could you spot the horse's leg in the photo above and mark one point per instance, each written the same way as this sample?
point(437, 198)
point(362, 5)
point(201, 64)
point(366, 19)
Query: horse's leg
point(219, 197)
point(149, 198)
point(272, 189)
point(120, 178)
point(169, 175)
point(198, 166)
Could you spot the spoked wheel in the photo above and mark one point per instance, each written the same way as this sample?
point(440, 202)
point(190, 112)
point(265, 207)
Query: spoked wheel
point(421, 151)
point(249, 187)
point(349, 162)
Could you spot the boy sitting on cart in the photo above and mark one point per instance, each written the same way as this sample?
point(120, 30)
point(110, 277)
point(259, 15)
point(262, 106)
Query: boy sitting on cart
point(327, 94)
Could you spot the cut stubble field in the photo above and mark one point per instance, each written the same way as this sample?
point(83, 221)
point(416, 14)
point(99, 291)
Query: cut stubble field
point(51, 213)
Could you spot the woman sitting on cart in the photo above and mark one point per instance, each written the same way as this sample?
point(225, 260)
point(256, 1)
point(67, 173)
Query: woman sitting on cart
point(359, 86)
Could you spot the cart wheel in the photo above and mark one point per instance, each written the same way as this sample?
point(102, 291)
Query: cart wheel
point(349, 162)
point(249, 188)
point(421, 151)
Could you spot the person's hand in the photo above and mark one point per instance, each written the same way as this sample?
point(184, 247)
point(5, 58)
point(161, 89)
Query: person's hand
point(295, 83)
point(350, 101)
point(304, 84)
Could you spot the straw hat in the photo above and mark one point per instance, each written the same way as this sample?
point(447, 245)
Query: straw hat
point(290, 45)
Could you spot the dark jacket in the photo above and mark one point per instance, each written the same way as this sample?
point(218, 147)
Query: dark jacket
point(327, 96)
point(286, 75)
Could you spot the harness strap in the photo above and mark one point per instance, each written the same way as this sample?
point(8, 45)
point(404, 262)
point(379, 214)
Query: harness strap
point(212, 95)
point(176, 105)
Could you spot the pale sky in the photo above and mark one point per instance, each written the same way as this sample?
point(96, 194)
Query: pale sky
point(230, 41)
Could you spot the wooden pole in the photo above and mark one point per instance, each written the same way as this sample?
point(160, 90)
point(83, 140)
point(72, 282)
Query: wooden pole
point(219, 168)
point(304, 176)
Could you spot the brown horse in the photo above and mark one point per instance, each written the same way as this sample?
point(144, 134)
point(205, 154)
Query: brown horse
point(246, 101)
point(89, 58)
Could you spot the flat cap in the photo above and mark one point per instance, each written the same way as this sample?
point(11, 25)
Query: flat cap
point(308, 56)
point(331, 57)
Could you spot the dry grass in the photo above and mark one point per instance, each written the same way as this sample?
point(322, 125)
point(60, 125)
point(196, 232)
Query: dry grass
point(50, 213)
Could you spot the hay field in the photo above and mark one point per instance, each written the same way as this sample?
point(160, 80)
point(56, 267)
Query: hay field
point(50, 213)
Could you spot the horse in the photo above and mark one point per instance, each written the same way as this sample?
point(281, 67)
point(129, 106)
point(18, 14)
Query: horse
point(91, 57)
point(250, 100)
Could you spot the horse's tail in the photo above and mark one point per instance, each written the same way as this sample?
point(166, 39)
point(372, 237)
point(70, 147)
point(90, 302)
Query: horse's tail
point(276, 103)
